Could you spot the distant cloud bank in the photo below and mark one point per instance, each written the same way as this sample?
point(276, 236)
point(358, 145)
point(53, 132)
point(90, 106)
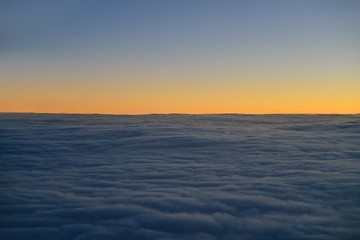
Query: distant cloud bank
point(178, 177)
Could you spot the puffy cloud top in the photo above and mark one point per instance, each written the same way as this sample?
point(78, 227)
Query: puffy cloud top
point(179, 177)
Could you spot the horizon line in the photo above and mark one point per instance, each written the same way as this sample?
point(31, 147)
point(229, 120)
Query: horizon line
point(173, 113)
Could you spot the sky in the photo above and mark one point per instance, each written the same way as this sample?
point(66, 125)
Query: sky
point(161, 56)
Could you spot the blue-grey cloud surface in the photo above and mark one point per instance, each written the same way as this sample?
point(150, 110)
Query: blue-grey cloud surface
point(179, 177)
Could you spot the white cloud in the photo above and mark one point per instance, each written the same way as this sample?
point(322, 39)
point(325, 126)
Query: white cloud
point(179, 177)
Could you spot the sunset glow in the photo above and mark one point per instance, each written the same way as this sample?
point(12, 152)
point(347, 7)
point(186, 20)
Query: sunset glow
point(136, 57)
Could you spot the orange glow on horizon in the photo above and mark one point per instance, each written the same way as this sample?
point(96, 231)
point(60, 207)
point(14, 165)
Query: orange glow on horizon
point(163, 94)
point(175, 102)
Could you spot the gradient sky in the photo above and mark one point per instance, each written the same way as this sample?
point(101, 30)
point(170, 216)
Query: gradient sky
point(184, 56)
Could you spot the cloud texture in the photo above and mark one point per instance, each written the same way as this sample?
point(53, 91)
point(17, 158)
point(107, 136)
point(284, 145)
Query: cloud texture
point(179, 177)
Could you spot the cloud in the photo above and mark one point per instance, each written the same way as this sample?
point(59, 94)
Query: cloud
point(179, 177)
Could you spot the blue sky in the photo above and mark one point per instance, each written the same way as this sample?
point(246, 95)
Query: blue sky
point(236, 42)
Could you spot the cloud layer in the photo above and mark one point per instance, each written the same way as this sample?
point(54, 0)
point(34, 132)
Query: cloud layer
point(179, 177)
